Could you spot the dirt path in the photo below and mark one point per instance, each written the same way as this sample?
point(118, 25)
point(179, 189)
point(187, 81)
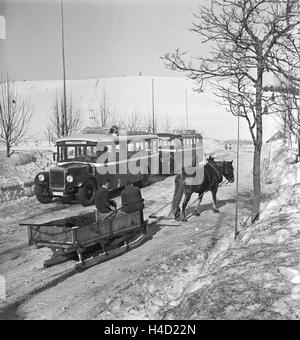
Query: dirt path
point(139, 284)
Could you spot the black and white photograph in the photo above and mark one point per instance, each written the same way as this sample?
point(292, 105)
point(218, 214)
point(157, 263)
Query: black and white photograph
point(149, 162)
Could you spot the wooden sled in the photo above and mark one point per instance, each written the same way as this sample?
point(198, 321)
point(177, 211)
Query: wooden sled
point(87, 238)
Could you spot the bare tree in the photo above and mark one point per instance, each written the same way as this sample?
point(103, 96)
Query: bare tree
point(61, 124)
point(106, 116)
point(167, 125)
point(247, 39)
point(288, 109)
point(134, 121)
point(148, 123)
point(49, 135)
point(15, 116)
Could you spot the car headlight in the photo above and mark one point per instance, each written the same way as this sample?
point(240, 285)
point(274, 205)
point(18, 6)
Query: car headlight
point(41, 178)
point(69, 179)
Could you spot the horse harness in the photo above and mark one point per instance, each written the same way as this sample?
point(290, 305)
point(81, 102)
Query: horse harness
point(217, 172)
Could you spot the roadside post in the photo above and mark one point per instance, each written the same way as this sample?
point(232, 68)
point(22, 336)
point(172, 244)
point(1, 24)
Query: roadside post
point(237, 181)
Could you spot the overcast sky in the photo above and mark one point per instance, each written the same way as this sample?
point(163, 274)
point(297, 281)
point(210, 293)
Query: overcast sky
point(103, 38)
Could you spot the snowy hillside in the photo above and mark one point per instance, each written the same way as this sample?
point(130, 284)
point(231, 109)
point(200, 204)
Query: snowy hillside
point(133, 95)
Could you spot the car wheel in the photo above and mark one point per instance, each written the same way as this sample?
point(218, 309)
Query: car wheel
point(146, 180)
point(43, 194)
point(86, 194)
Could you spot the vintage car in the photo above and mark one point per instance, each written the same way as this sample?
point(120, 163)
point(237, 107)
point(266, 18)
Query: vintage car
point(77, 174)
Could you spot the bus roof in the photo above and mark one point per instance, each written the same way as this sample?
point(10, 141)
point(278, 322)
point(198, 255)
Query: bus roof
point(104, 138)
point(172, 136)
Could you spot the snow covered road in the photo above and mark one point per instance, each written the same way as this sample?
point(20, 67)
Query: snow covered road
point(138, 284)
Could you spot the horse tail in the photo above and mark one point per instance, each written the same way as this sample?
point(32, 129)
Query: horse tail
point(177, 194)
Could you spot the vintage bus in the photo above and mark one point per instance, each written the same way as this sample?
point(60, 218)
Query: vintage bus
point(179, 150)
point(85, 160)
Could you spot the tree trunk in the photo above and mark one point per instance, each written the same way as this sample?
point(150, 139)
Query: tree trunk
point(298, 139)
point(258, 140)
point(285, 129)
point(8, 154)
point(256, 184)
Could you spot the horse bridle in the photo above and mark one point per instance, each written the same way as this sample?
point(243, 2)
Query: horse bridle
point(227, 180)
point(220, 176)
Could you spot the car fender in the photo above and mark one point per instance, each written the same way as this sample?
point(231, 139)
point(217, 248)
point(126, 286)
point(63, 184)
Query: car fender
point(46, 181)
point(82, 180)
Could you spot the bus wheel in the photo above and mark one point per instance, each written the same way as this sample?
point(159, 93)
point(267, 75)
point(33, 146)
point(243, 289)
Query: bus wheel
point(86, 194)
point(43, 194)
point(146, 180)
point(172, 168)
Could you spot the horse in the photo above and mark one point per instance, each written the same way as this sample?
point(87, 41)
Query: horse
point(211, 179)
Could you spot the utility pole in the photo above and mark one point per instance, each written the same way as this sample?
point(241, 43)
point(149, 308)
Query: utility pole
point(153, 113)
point(298, 156)
point(237, 181)
point(186, 111)
point(2, 27)
point(64, 114)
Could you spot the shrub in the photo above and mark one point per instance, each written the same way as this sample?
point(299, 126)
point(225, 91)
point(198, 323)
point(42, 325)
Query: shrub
point(25, 158)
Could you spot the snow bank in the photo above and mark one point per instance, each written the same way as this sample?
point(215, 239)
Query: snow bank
point(17, 173)
point(280, 170)
point(258, 277)
point(255, 277)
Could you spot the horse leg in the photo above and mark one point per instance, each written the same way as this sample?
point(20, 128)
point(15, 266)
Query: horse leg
point(184, 205)
point(197, 210)
point(214, 196)
point(177, 214)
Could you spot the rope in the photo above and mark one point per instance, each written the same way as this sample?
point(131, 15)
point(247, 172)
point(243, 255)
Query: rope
point(113, 213)
point(164, 206)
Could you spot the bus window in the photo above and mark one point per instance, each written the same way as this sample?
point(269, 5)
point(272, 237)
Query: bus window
point(67, 153)
point(179, 144)
point(131, 147)
point(90, 151)
point(139, 146)
point(104, 148)
point(109, 148)
point(154, 145)
point(148, 145)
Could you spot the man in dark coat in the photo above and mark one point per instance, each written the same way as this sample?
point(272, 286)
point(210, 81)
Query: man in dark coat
point(104, 204)
point(131, 199)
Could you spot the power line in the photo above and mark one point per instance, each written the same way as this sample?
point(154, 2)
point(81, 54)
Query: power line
point(153, 110)
point(186, 110)
point(64, 118)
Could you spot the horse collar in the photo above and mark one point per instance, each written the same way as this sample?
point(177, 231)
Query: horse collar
point(216, 170)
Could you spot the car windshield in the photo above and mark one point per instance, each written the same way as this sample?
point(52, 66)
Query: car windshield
point(82, 153)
